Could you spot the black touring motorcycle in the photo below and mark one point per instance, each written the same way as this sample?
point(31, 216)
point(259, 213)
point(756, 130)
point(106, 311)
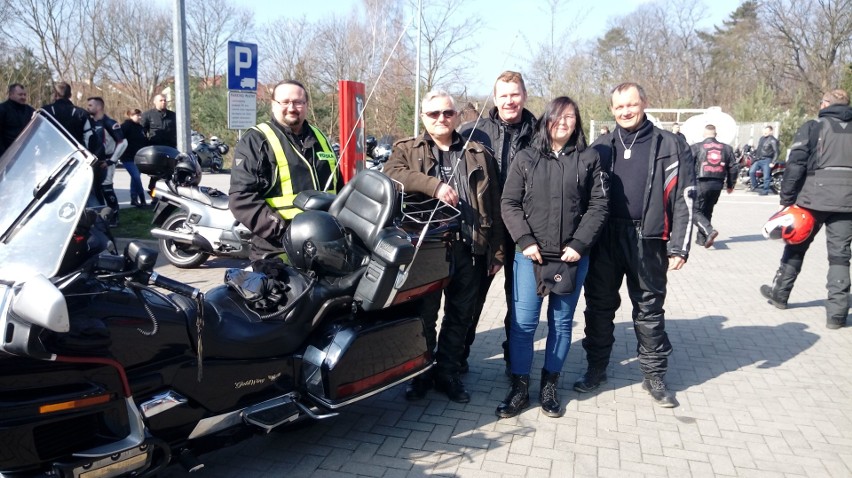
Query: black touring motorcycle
point(102, 374)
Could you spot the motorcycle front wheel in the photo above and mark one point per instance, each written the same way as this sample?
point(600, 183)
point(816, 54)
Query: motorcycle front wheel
point(180, 255)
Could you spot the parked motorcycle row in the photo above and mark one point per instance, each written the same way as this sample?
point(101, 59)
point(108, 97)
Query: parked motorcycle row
point(108, 368)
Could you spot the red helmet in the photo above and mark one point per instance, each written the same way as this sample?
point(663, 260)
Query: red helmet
point(793, 224)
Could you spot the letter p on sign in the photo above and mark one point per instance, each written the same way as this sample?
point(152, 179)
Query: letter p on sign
point(242, 60)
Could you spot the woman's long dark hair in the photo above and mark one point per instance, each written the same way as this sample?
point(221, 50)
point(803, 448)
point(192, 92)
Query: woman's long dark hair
point(541, 141)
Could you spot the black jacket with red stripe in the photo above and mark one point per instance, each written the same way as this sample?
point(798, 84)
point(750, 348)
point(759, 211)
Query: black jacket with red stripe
point(668, 201)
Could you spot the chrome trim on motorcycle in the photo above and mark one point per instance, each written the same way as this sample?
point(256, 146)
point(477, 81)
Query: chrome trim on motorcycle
point(367, 395)
point(273, 413)
point(313, 415)
point(210, 425)
point(132, 440)
point(182, 237)
point(161, 403)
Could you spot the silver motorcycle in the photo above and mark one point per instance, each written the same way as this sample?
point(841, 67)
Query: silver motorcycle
point(191, 222)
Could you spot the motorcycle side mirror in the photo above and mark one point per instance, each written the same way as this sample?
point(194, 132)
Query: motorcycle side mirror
point(144, 258)
point(39, 302)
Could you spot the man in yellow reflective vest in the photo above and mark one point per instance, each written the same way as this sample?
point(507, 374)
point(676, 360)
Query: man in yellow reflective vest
point(273, 162)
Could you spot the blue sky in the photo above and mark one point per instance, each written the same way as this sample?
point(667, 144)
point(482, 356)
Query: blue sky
point(509, 28)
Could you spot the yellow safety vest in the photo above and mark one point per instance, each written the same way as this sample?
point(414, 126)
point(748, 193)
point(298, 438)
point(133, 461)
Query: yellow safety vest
point(284, 203)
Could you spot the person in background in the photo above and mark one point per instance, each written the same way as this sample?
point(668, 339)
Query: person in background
point(134, 133)
point(15, 113)
point(818, 178)
point(716, 169)
point(160, 125)
point(75, 120)
point(108, 132)
point(554, 206)
point(676, 132)
point(767, 153)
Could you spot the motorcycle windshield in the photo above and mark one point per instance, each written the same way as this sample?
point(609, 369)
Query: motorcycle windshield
point(44, 183)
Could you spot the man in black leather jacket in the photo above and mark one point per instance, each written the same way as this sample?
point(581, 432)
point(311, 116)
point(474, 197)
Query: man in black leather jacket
point(767, 154)
point(75, 120)
point(507, 129)
point(15, 113)
point(818, 178)
point(652, 178)
point(716, 169)
point(160, 125)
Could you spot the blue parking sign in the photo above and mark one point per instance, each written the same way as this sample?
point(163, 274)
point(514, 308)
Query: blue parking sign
point(242, 66)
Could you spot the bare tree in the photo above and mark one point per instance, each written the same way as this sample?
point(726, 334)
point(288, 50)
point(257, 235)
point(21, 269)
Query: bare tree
point(448, 43)
point(140, 53)
point(286, 53)
point(50, 25)
point(211, 24)
point(548, 64)
point(816, 36)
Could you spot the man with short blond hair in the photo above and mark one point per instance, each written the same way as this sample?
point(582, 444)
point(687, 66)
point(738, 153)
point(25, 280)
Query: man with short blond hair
point(442, 164)
point(507, 129)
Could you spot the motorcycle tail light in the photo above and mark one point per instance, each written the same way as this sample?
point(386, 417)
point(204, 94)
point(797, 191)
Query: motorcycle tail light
point(74, 404)
point(388, 376)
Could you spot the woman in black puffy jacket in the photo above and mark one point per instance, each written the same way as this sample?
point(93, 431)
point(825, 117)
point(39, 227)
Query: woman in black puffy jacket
point(554, 206)
point(136, 140)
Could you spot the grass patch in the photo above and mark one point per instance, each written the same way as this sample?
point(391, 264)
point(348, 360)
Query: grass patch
point(134, 223)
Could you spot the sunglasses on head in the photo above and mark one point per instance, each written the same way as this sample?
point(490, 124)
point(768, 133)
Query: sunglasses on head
point(437, 114)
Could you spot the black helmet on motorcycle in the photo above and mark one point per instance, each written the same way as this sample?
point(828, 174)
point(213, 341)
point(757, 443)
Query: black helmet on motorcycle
point(793, 224)
point(187, 170)
point(316, 241)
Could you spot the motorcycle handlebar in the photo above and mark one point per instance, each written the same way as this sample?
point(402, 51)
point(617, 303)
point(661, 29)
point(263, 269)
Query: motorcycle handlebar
point(174, 286)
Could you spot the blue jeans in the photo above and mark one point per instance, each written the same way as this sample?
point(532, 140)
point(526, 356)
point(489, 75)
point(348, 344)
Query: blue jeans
point(526, 310)
point(766, 165)
point(137, 192)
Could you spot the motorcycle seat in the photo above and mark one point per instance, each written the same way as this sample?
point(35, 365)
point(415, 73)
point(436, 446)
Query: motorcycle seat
point(234, 330)
point(209, 196)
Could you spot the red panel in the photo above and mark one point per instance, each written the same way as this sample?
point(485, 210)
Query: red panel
point(351, 137)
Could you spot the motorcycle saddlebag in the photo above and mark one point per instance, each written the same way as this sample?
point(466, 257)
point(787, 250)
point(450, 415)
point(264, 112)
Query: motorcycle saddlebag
point(382, 285)
point(365, 357)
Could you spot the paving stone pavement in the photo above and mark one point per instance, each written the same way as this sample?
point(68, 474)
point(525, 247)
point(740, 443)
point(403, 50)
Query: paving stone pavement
point(763, 392)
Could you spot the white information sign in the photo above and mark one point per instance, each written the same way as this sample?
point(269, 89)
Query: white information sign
point(242, 109)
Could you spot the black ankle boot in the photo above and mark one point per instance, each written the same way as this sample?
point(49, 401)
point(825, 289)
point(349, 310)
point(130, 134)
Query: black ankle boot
point(547, 395)
point(517, 399)
point(591, 380)
point(782, 284)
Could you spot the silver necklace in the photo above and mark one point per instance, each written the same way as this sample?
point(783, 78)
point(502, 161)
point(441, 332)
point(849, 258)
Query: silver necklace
point(627, 152)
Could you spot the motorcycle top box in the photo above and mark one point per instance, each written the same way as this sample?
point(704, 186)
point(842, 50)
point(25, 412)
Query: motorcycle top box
point(156, 161)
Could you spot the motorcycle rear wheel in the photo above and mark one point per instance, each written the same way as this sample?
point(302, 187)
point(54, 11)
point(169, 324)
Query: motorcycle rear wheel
point(180, 255)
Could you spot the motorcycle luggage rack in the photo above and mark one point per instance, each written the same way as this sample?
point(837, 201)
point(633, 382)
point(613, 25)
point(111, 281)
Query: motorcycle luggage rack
point(419, 209)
